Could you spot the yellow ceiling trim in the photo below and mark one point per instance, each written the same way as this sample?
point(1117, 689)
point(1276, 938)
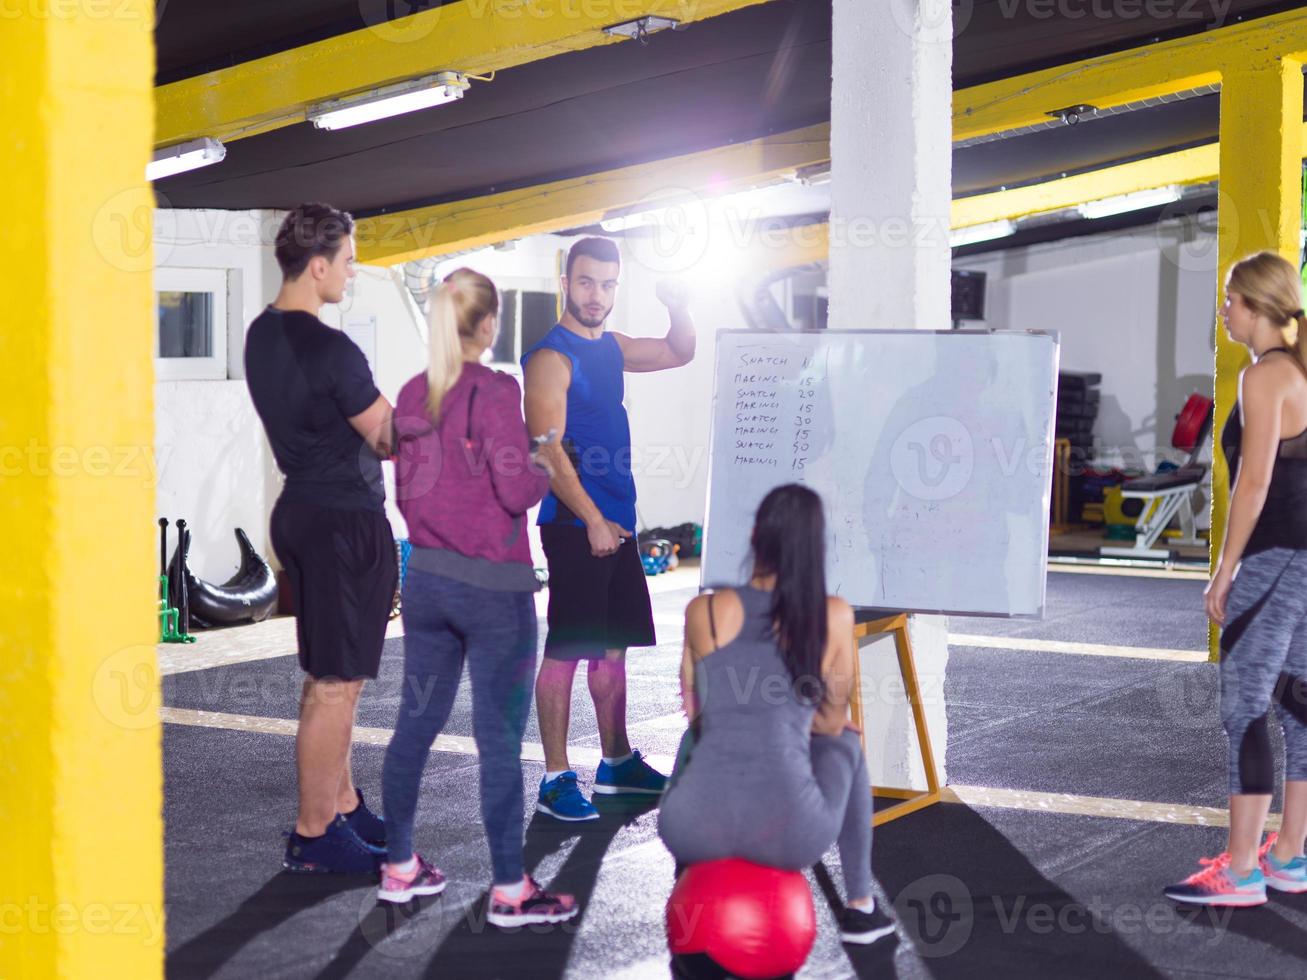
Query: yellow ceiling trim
point(1128, 76)
point(470, 36)
point(1193, 166)
point(475, 223)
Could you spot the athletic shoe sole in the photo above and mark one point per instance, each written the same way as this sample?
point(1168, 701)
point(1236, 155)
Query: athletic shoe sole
point(1222, 901)
point(408, 894)
point(622, 790)
point(1289, 887)
point(866, 938)
point(541, 808)
point(531, 919)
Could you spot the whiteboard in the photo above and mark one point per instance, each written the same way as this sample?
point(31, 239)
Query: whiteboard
point(932, 452)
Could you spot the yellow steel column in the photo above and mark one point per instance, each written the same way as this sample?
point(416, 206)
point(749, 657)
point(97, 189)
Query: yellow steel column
point(1260, 208)
point(81, 879)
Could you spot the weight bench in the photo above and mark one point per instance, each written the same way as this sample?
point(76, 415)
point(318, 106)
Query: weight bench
point(1157, 500)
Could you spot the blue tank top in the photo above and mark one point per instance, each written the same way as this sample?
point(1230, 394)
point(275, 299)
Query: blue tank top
point(598, 434)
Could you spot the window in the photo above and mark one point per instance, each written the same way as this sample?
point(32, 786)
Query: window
point(525, 316)
point(190, 324)
point(809, 300)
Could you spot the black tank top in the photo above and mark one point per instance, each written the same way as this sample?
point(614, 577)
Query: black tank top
point(1283, 520)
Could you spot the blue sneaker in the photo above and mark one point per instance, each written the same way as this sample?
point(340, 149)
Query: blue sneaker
point(1290, 877)
point(632, 776)
point(338, 851)
point(366, 824)
point(561, 797)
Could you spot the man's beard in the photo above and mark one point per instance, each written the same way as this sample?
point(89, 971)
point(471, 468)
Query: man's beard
point(582, 319)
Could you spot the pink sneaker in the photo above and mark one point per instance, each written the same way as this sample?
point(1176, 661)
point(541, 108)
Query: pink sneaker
point(400, 886)
point(1216, 884)
point(535, 906)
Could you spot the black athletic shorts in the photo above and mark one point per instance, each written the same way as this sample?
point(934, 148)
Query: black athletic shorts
point(342, 571)
point(595, 604)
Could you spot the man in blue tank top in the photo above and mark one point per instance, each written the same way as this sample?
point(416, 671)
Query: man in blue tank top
point(598, 598)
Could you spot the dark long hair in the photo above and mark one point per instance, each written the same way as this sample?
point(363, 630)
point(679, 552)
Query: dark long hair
point(789, 541)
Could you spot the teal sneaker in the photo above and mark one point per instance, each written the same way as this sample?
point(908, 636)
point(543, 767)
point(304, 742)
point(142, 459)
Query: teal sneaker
point(632, 776)
point(1290, 877)
point(561, 797)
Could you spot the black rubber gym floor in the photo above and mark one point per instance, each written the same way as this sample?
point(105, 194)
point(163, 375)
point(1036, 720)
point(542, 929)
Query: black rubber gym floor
point(979, 892)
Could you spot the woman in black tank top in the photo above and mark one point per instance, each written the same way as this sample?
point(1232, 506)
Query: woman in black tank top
point(1268, 466)
point(1258, 593)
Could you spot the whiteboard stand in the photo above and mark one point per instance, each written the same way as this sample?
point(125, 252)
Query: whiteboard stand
point(876, 622)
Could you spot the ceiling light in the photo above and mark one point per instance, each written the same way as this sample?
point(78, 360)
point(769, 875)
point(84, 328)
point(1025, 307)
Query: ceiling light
point(389, 100)
point(181, 157)
point(642, 27)
point(1072, 114)
point(980, 233)
point(1136, 201)
point(813, 175)
point(625, 222)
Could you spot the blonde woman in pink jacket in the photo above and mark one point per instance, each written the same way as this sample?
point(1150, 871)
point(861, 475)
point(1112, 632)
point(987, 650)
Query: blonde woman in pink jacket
point(465, 476)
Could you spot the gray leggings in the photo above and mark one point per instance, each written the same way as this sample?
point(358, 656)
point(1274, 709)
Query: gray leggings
point(1264, 663)
point(448, 623)
point(702, 819)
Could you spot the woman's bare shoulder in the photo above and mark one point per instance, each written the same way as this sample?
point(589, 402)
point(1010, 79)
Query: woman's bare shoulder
point(839, 612)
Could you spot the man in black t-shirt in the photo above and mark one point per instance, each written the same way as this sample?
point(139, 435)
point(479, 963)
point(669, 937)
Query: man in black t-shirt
point(329, 428)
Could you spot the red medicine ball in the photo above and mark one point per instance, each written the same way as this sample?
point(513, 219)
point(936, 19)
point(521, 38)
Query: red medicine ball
point(753, 921)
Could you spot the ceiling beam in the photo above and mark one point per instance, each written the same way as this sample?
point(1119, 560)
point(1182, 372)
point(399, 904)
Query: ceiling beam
point(1010, 103)
point(475, 223)
point(1193, 166)
point(1127, 76)
point(471, 36)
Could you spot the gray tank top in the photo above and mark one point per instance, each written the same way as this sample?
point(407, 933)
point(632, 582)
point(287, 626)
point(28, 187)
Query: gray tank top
point(752, 713)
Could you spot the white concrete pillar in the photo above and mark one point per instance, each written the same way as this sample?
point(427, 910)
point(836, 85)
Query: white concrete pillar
point(891, 172)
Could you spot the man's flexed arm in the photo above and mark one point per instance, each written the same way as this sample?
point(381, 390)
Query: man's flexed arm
point(670, 351)
point(548, 375)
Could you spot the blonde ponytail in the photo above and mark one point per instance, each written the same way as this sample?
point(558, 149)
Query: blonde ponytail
point(458, 306)
point(445, 362)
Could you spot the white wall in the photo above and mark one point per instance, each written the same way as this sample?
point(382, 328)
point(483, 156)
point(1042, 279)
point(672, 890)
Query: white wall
point(1138, 306)
point(671, 411)
point(215, 470)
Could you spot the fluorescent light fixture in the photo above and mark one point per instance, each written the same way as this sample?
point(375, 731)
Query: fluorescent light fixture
point(625, 222)
point(980, 233)
point(814, 175)
point(389, 100)
point(652, 216)
point(181, 157)
point(1135, 201)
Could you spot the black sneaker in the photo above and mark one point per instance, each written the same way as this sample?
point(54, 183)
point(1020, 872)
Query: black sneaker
point(864, 928)
point(338, 851)
point(535, 906)
point(367, 824)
